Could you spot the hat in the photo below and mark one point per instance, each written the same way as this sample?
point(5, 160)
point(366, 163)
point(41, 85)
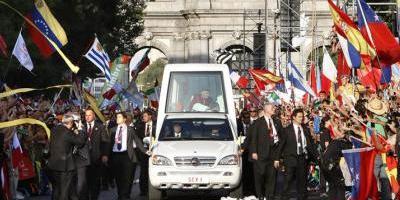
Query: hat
point(377, 106)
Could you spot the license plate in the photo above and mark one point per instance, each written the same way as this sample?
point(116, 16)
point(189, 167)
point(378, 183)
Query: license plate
point(196, 180)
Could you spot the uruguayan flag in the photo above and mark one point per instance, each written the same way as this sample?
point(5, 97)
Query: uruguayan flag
point(99, 57)
point(296, 78)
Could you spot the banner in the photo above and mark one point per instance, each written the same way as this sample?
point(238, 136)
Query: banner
point(23, 90)
point(117, 75)
point(25, 121)
point(25, 167)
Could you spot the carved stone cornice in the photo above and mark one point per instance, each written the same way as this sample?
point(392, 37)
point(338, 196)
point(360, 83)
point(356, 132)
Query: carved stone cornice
point(192, 35)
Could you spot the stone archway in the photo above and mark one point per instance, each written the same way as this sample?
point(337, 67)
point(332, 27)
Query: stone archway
point(148, 41)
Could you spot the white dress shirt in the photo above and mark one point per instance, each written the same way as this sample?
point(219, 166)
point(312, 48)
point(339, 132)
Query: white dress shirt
point(303, 138)
point(149, 125)
point(270, 122)
point(124, 139)
point(178, 135)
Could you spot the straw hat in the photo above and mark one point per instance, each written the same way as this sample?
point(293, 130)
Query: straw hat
point(377, 106)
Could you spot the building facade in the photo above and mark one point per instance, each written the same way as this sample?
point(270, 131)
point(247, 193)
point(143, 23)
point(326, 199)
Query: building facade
point(190, 31)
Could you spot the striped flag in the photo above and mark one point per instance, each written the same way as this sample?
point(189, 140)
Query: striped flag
point(99, 57)
point(222, 56)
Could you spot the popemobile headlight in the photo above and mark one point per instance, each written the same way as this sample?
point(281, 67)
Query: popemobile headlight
point(161, 160)
point(229, 160)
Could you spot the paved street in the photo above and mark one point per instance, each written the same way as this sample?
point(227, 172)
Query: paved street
point(175, 195)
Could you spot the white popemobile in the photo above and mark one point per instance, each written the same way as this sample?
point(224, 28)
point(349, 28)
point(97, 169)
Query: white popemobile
point(196, 145)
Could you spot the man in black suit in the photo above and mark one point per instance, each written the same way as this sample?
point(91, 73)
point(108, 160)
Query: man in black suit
point(265, 152)
point(61, 161)
point(244, 129)
point(146, 129)
point(296, 148)
point(124, 144)
point(96, 148)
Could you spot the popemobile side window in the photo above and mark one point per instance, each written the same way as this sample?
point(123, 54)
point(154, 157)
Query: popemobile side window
point(196, 92)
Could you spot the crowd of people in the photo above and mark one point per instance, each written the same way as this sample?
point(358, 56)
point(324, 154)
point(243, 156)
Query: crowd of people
point(302, 145)
point(284, 144)
point(84, 155)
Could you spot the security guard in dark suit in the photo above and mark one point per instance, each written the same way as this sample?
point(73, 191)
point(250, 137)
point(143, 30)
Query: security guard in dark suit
point(91, 156)
point(265, 151)
point(296, 149)
point(124, 144)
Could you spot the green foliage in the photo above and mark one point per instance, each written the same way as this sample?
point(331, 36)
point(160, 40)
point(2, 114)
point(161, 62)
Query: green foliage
point(153, 72)
point(116, 23)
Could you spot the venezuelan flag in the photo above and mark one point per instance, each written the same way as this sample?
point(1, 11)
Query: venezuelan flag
point(346, 28)
point(44, 20)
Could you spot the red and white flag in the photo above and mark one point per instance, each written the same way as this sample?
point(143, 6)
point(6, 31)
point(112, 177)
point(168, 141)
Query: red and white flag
point(329, 72)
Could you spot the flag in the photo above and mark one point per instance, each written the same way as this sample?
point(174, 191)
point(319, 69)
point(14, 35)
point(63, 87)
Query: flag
point(313, 78)
point(342, 67)
point(240, 81)
point(132, 95)
point(265, 76)
point(223, 56)
point(390, 164)
point(296, 79)
point(117, 74)
point(345, 27)
point(274, 98)
point(378, 34)
point(386, 75)
point(17, 152)
point(370, 77)
point(21, 53)
point(138, 62)
point(350, 53)
point(329, 72)
point(117, 88)
point(153, 94)
point(396, 71)
point(358, 143)
point(361, 166)
point(252, 98)
point(44, 20)
point(264, 80)
point(378, 140)
point(3, 46)
point(99, 57)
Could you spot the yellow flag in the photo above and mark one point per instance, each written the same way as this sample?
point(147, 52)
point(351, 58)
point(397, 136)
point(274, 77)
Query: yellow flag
point(22, 90)
point(25, 121)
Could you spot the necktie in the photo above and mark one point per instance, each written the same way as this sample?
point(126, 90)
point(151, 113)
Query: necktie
point(245, 129)
point(90, 131)
point(148, 130)
point(119, 139)
point(299, 141)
